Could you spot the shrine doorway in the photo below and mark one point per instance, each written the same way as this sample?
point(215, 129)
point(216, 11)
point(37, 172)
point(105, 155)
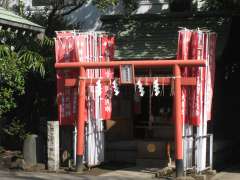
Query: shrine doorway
point(131, 137)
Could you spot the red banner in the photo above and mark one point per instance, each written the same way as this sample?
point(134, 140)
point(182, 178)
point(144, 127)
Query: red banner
point(197, 100)
point(184, 41)
point(91, 47)
point(108, 52)
point(66, 96)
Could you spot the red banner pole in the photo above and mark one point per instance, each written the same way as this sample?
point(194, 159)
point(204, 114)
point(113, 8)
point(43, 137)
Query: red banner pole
point(81, 119)
point(178, 123)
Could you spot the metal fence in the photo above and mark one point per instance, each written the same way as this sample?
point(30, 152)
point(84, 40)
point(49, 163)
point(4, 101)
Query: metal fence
point(192, 149)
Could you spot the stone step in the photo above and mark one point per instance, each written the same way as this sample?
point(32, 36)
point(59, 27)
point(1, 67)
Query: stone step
point(129, 151)
point(151, 163)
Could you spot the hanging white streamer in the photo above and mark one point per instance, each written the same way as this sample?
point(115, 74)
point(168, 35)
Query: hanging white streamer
point(115, 88)
point(141, 88)
point(156, 88)
point(98, 88)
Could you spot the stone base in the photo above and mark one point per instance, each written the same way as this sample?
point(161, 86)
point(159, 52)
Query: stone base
point(167, 171)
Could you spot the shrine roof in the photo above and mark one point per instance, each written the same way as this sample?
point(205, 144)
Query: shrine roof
point(8, 18)
point(154, 36)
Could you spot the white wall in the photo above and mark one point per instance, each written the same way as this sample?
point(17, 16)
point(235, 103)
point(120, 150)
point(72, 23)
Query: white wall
point(199, 4)
point(152, 6)
point(88, 16)
point(27, 3)
point(15, 2)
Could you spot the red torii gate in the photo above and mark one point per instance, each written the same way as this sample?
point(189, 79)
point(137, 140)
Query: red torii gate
point(178, 82)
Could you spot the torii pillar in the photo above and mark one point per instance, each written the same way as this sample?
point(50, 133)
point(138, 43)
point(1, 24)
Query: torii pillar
point(178, 123)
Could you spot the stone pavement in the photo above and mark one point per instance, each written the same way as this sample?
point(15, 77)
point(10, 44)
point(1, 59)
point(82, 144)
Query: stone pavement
point(133, 173)
point(227, 176)
point(124, 174)
point(230, 173)
point(114, 175)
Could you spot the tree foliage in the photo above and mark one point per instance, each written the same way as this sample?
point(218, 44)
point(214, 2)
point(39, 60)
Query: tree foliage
point(16, 128)
point(16, 60)
point(22, 57)
point(221, 5)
